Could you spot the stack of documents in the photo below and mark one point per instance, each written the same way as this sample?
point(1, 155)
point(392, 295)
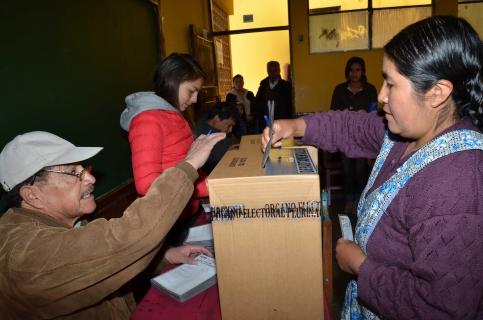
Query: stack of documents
point(187, 280)
point(201, 236)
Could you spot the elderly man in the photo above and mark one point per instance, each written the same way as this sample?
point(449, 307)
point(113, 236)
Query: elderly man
point(48, 269)
point(276, 89)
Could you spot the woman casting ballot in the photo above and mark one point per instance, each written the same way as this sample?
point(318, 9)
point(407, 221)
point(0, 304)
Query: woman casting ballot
point(418, 249)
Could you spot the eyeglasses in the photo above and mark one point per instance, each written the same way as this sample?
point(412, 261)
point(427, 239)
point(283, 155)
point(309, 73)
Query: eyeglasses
point(81, 175)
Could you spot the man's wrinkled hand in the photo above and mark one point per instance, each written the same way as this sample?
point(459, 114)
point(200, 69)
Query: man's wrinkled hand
point(185, 254)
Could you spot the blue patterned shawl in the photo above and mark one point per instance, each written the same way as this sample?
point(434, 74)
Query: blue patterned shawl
point(372, 206)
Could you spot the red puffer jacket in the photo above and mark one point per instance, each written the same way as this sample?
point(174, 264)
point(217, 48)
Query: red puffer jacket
point(159, 140)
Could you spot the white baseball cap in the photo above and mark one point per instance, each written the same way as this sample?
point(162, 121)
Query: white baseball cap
point(27, 153)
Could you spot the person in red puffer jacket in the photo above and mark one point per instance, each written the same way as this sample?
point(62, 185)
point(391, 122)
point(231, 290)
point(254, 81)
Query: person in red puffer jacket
point(159, 135)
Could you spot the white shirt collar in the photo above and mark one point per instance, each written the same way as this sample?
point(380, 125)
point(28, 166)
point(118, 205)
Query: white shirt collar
point(272, 84)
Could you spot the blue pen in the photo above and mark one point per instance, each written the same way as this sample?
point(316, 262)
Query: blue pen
point(209, 132)
point(267, 122)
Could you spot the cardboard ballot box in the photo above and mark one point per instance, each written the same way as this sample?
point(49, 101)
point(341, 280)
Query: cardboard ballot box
point(267, 233)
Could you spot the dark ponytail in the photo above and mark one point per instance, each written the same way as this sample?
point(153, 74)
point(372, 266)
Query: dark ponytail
point(442, 47)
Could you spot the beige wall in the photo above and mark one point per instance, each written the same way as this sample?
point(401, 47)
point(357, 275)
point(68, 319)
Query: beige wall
point(177, 16)
point(225, 5)
point(250, 52)
point(472, 15)
point(316, 75)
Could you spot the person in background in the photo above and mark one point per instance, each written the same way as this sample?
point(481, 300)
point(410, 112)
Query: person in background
point(222, 118)
point(51, 269)
point(418, 243)
point(355, 94)
point(240, 128)
point(273, 88)
point(244, 100)
point(287, 73)
point(159, 135)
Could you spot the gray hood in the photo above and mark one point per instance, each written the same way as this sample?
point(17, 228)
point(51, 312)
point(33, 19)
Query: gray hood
point(142, 101)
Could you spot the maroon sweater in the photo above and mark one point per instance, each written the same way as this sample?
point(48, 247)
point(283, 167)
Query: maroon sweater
point(425, 256)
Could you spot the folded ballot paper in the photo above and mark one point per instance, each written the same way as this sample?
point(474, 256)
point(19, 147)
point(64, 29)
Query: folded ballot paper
point(201, 236)
point(187, 280)
point(346, 227)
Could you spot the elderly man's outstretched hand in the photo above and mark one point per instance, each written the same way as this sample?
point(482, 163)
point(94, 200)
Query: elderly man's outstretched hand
point(185, 254)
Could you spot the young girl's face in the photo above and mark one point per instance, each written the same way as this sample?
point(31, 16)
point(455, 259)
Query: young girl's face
point(188, 93)
point(238, 83)
point(355, 72)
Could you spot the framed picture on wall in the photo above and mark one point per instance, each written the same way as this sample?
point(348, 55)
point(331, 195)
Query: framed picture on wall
point(338, 32)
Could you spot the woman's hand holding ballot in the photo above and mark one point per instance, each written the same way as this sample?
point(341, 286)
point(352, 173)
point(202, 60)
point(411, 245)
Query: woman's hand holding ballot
point(283, 129)
point(349, 256)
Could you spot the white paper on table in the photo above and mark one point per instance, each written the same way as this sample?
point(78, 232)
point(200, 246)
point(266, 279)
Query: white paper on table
point(187, 276)
point(200, 233)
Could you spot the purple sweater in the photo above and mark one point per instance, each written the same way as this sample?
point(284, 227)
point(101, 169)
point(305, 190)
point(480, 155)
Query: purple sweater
point(425, 256)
